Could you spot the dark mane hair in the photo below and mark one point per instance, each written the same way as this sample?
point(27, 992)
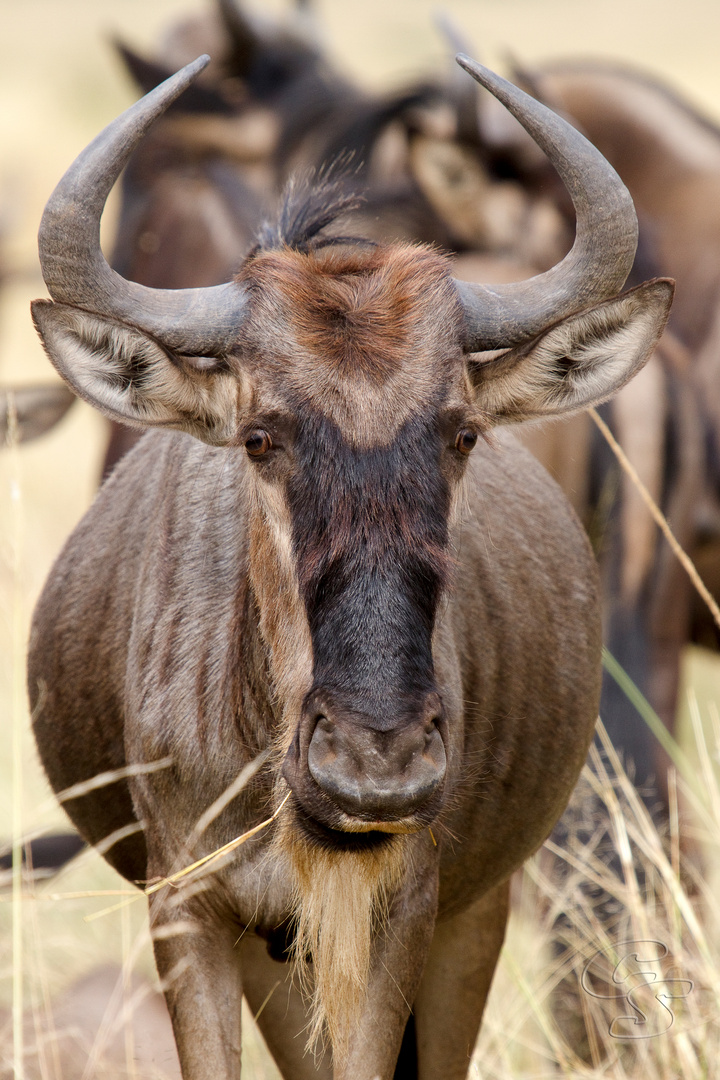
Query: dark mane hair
point(311, 203)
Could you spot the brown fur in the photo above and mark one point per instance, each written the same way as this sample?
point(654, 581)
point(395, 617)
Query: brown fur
point(283, 624)
point(356, 308)
point(343, 329)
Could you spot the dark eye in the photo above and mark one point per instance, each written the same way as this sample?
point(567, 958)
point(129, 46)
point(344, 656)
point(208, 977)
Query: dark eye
point(258, 443)
point(465, 440)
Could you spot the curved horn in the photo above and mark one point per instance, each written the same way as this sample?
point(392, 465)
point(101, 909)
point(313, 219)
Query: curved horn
point(601, 258)
point(196, 322)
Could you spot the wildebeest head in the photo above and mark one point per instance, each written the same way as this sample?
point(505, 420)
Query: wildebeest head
point(257, 61)
point(343, 373)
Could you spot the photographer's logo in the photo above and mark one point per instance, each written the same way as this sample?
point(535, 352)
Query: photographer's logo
point(637, 977)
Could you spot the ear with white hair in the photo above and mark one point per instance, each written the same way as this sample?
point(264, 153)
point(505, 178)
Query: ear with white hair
point(132, 378)
point(579, 362)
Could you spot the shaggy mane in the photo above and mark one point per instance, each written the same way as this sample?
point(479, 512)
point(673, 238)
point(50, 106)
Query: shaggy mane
point(310, 204)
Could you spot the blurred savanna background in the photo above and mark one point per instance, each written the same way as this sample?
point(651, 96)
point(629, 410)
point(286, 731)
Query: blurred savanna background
point(60, 83)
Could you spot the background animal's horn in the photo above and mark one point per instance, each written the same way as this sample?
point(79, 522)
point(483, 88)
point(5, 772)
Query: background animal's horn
point(201, 322)
point(463, 94)
point(244, 43)
point(600, 260)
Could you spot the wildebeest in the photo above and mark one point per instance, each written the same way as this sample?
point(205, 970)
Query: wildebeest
point(317, 569)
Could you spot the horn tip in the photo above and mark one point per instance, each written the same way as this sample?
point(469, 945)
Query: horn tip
point(198, 65)
point(479, 72)
point(466, 61)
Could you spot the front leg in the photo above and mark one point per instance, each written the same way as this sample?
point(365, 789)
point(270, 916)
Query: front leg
point(198, 964)
point(455, 984)
point(399, 957)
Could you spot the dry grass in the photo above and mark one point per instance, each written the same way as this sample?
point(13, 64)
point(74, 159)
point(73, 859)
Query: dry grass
point(617, 917)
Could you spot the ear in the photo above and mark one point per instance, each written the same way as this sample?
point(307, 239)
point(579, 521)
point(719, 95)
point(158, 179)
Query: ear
point(131, 378)
point(577, 363)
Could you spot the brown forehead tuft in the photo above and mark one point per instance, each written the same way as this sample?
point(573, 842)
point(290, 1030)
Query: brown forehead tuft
point(358, 309)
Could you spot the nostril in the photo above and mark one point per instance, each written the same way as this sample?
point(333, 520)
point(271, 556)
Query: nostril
point(322, 748)
point(322, 723)
point(431, 729)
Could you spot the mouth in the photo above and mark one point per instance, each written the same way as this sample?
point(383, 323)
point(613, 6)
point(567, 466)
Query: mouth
point(336, 828)
point(403, 825)
point(364, 836)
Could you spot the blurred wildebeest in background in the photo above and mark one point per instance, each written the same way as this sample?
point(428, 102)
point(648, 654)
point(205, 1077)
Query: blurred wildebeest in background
point(27, 412)
point(669, 156)
point(42, 856)
point(319, 572)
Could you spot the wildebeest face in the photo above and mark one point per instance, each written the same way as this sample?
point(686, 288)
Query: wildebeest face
point(360, 423)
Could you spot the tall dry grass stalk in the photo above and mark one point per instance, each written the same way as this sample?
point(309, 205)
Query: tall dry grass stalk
point(18, 729)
